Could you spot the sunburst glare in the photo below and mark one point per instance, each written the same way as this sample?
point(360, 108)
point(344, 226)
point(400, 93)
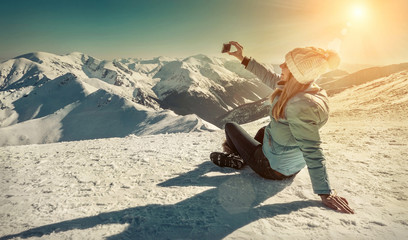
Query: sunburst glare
point(358, 12)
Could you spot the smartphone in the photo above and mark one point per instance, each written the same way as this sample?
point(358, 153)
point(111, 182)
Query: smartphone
point(226, 47)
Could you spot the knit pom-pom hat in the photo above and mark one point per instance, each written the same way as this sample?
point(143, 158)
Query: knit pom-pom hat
point(307, 64)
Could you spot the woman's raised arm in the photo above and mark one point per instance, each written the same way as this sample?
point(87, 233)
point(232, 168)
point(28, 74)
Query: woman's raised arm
point(265, 75)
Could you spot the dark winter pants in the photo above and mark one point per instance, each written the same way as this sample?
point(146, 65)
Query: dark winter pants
point(250, 149)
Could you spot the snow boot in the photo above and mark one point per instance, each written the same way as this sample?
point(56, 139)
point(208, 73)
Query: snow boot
point(227, 160)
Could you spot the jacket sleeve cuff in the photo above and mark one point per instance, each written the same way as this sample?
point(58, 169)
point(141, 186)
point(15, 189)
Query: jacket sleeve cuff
point(245, 61)
point(322, 192)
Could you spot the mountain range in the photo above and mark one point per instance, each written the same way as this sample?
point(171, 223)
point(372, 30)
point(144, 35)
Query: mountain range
point(46, 97)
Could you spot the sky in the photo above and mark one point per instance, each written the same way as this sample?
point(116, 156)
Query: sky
point(362, 31)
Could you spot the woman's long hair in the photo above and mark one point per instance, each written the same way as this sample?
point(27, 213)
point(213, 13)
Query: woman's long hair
point(291, 88)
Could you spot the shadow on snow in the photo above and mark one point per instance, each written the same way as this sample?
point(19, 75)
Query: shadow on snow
point(235, 201)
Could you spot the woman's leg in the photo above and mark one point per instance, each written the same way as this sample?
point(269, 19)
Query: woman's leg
point(240, 141)
point(251, 150)
point(228, 149)
point(259, 136)
point(260, 164)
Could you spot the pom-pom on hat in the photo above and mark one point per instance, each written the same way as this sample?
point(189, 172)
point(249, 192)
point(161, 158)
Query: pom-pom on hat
point(307, 64)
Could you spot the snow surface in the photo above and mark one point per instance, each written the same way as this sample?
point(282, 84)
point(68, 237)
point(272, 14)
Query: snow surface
point(164, 186)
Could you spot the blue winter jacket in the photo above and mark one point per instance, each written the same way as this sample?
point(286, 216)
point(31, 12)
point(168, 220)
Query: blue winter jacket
point(291, 143)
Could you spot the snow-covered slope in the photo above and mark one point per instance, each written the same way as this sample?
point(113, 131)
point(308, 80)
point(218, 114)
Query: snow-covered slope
point(71, 108)
point(337, 84)
point(387, 96)
point(165, 187)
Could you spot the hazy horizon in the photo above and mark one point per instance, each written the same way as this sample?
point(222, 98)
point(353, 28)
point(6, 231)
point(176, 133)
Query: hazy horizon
point(364, 32)
point(343, 65)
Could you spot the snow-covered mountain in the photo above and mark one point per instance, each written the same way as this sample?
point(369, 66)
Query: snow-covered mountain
point(246, 113)
point(33, 69)
point(72, 108)
point(198, 84)
point(40, 93)
point(386, 96)
point(208, 87)
point(333, 82)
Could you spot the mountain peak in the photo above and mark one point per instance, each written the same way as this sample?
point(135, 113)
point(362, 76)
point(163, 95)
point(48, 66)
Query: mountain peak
point(199, 57)
point(164, 59)
point(36, 56)
point(76, 54)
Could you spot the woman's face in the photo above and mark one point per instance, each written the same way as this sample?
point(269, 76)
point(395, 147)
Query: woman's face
point(285, 72)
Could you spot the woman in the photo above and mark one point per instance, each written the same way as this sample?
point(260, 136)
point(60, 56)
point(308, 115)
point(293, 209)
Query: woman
point(291, 140)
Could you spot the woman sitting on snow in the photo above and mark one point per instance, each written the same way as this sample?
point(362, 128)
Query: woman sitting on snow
point(291, 140)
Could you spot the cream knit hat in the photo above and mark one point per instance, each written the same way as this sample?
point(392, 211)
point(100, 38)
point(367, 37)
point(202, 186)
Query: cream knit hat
point(307, 64)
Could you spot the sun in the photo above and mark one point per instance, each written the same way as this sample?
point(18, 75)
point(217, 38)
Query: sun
point(358, 12)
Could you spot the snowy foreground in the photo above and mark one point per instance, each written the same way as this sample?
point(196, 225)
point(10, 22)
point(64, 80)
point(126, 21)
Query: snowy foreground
point(165, 187)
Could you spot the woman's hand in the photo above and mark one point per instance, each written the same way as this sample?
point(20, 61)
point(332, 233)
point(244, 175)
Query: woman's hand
point(238, 53)
point(337, 203)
